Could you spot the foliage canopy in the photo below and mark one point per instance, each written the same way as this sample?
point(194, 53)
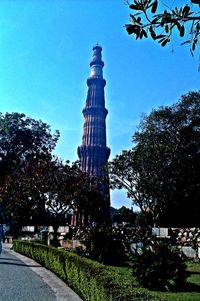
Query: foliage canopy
point(149, 20)
point(161, 173)
point(24, 143)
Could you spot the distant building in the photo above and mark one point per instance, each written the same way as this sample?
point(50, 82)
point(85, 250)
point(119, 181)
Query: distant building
point(93, 153)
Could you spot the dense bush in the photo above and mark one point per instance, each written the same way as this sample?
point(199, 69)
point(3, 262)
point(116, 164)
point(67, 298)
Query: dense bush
point(91, 280)
point(159, 267)
point(106, 247)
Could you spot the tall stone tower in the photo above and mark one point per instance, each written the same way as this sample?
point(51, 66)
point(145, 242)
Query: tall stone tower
point(93, 152)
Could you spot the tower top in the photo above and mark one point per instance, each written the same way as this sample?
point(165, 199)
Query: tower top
point(96, 57)
point(97, 46)
point(96, 63)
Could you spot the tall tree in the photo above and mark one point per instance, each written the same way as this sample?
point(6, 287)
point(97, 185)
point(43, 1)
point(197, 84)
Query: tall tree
point(23, 143)
point(162, 171)
point(128, 172)
point(67, 189)
point(91, 199)
point(159, 21)
point(36, 187)
point(55, 185)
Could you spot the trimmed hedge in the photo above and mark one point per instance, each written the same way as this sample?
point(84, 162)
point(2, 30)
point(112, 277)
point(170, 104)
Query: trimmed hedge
point(91, 280)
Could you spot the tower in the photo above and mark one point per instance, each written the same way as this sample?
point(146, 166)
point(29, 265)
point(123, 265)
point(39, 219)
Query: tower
point(93, 153)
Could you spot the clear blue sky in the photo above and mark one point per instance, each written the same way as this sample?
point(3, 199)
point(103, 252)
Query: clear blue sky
point(45, 50)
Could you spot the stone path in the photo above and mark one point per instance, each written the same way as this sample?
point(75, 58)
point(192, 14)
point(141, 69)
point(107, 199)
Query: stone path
point(22, 279)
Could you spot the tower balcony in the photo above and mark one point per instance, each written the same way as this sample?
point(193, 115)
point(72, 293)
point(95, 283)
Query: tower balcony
point(100, 151)
point(95, 80)
point(95, 111)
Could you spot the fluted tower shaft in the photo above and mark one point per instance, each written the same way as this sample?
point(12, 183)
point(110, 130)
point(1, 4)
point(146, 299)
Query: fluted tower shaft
point(93, 152)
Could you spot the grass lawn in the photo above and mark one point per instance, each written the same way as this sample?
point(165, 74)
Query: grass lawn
point(191, 291)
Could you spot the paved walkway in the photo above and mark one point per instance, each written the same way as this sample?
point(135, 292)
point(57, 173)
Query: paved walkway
point(22, 279)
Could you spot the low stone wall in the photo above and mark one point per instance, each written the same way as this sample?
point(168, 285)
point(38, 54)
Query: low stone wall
point(72, 244)
point(186, 236)
point(187, 239)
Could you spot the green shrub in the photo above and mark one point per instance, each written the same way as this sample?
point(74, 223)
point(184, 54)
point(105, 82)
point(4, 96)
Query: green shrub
point(159, 267)
point(91, 280)
point(38, 241)
point(104, 246)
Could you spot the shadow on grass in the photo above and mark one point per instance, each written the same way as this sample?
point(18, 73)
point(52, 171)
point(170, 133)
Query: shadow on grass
point(194, 273)
point(190, 287)
point(186, 288)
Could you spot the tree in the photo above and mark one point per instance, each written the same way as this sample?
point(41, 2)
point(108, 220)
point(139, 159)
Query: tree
point(160, 267)
point(36, 187)
point(24, 143)
point(148, 21)
point(161, 173)
point(64, 189)
point(55, 187)
point(127, 172)
point(124, 214)
point(21, 194)
point(91, 200)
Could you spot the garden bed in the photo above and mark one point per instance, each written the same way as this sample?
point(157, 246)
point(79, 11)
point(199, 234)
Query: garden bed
point(91, 280)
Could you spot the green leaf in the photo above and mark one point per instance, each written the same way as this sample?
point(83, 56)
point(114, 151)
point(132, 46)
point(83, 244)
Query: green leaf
point(154, 6)
point(132, 29)
point(132, 18)
point(186, 42)
point(152, 32)
point(133, 6)
point(160, 36)
point(161, 40)
point(186, 10)
point(165, 42)
point(182, 31)
point(155, 20)
point(144, 33)
point(178, 25)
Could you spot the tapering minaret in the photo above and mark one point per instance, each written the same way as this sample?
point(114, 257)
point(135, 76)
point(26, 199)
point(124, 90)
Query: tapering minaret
point(93, 152)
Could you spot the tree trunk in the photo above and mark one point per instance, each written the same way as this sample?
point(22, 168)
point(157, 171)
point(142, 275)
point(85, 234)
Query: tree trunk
point(55, 241)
